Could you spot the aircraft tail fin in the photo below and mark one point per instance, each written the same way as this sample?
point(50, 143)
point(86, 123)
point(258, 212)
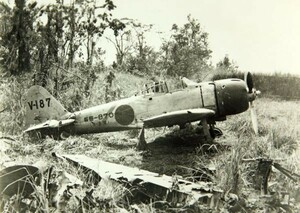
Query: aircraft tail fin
point(41, 106)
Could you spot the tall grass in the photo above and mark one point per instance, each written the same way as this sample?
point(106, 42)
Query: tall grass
point(12, 112)
point(278, 140)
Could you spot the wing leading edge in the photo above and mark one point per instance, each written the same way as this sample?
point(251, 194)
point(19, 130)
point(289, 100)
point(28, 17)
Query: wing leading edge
point(178, 117)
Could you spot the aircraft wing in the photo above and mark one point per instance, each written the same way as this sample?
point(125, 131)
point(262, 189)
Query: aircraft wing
point(178, 117)
point(50, 124)
point(189, 82)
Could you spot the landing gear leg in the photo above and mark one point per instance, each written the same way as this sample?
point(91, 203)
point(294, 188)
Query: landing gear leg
point(142, 145)
point(206, 131)
point(182, 126)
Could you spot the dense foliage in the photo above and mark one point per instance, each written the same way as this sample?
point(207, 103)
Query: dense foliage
point(36, 38)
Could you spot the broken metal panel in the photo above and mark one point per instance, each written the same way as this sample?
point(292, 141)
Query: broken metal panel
point(19, 179)
point(152, 185)
point(24, 188)
point(91, 177)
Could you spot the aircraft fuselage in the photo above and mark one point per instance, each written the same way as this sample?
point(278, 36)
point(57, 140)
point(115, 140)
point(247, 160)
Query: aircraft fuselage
point(225, 97)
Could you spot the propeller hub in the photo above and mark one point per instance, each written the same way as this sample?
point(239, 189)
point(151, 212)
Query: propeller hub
point(251, 97)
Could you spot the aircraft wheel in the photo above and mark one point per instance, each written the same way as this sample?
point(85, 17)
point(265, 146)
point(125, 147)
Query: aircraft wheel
point(64, 135)
point(215, 132)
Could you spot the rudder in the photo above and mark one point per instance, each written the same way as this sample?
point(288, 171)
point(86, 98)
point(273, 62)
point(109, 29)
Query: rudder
point(41, 106)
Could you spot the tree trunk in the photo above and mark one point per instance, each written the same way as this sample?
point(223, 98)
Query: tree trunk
point(23, 60)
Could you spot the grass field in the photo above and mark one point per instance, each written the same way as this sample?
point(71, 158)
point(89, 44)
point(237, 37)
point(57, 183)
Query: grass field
point(171, 152)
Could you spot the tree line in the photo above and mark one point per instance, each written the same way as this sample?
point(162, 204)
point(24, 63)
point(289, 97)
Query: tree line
point(43, 37)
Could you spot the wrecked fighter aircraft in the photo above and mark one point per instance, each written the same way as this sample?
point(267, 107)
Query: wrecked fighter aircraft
point(156, 106)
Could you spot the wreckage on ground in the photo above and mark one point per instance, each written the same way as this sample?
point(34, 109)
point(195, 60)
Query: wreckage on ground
point(26, 182)
point(143, 186)
point(150, 186)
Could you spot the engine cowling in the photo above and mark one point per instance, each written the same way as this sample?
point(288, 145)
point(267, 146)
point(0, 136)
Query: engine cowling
point(232, 97)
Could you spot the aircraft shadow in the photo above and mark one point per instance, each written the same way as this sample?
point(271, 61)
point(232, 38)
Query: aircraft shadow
point(175, 154)
point(120, 146)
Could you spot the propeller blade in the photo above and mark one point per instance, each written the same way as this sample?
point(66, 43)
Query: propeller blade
point(254, 118)
point(249, 81)
point(252, 93)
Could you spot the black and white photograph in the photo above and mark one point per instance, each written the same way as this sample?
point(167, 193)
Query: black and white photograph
point(136, 106)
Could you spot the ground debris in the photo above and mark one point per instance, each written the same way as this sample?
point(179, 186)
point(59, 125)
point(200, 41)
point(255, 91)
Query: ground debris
point(263, 171)
point(19, 179)
point(145, 186)
point(35, 188)
point(20, 187)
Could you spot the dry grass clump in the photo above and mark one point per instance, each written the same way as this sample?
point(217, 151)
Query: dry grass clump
point(11, 109)
point(277, 120)
point(37, 202)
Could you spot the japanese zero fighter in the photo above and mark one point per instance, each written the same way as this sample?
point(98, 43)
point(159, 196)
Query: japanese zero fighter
point(155, 106)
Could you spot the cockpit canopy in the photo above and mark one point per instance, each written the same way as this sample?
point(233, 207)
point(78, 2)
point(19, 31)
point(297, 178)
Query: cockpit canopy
point(155, 87)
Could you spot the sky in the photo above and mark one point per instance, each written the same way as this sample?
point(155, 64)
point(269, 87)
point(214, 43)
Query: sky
point(257, 35)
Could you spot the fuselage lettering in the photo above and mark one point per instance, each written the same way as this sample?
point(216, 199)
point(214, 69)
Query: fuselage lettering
point(106, 115)
point(100, 117)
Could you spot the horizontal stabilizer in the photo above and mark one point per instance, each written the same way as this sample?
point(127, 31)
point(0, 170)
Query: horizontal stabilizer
point(50, 124)
point(178, 117)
